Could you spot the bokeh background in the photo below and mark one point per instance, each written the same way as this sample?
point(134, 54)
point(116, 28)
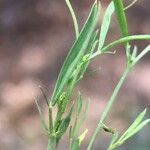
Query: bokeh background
point(35, 36)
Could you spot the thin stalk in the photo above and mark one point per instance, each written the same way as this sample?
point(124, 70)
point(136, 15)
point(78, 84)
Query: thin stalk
point(50, 119)
point(51, 143)
point(144, 52)
point(108, 107)
point(69, 90)
point(120, 41)
point(114, 146)
point(75, 23)
point(58, 118)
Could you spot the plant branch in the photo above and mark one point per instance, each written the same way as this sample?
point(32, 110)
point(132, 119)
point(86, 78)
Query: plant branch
point(108, 107)
point(120, 41)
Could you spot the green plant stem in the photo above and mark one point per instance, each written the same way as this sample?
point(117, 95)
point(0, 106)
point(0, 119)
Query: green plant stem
point(112, 147)
point(75, 23)
point(119, 41)
point(51, 143)
point(50, 119)
point(60, 111)
point(108, 107)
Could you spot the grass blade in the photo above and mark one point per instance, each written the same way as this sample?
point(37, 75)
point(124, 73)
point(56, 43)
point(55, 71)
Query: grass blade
point(75, 145)
point(137, 129)
point(89, 52)
point(64, 125)
point(134, 124)
point(121, 17)
point(76, 52)
point(82, 136)
point(105, 25)
point(79, 104)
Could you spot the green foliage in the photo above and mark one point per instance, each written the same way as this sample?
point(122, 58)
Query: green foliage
point(81, 114)
point(136, 126)
point(89, 39)
point(63, 125)
point(79, 104)
point(105, 25)
point(76, 52)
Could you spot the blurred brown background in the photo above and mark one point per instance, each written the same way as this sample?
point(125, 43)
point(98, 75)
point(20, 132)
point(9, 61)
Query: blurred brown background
point(35, 36)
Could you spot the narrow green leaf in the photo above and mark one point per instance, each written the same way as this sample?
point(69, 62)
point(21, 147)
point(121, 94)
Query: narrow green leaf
point(105, 24)
point(82, 136)
point(134, 124)
point(92, 41)
point(113, 139)
point(75, 145)
point(64, 125)
point(79, 104)
point(85, 112)
point(41, 117)
point(89, 52)
point(74, 130)
point(137, 129)
point(83, 116)
point(50, 117)
point(76, 52)
point(122, 21)
point(86, 62)
point(80, 120)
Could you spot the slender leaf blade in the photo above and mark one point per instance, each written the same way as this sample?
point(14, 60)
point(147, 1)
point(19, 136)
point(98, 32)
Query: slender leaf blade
point(119, 9)
point(82, 136)
point(76, 52)
point(134, 124)
point(64, 125)
point(137, 129)
point(79, 104)
point(122, 21)
point(105, 24)
point(89, 52)
point(75, 145)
